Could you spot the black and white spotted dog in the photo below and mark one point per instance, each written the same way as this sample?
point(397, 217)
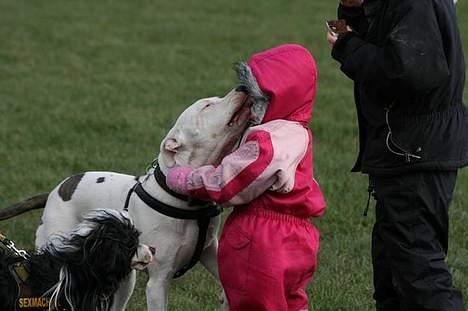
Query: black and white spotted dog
point(80, 270)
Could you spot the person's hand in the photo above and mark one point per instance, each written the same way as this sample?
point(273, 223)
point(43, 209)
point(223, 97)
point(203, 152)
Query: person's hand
point(331, 39)
point(351, 3)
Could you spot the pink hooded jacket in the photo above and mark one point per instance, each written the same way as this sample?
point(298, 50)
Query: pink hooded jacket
point(273, 166)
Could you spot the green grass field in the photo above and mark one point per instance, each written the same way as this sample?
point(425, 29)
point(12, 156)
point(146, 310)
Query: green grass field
point(95, 85)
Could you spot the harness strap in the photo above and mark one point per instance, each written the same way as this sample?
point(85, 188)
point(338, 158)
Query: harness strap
point(129, 194)
point(208, 212)
point(202, 230)
point(20, 272)
point(19, 269)
point(203, 217)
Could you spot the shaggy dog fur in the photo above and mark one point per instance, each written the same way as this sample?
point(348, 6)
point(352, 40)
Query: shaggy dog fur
point(79, 271)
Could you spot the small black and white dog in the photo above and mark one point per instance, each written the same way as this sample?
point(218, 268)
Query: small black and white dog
point(81, 270)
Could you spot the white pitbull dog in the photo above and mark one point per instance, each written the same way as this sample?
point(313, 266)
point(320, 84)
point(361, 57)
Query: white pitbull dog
point(203, 134)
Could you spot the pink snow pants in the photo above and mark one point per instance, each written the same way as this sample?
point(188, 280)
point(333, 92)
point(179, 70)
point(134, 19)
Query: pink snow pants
point(266, 260)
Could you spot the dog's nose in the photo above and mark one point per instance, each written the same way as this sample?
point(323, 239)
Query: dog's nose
point(152, 250)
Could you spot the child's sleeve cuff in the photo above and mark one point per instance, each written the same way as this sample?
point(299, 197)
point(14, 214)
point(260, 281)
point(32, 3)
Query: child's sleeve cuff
point(176, 179)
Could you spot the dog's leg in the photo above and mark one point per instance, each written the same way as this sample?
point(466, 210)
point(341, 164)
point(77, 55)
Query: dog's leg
point(157, 286)
point(156, 294)
point(209, 259)
point(122, 296)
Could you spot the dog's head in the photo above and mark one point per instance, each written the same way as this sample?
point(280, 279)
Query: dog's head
point(206, 130)
point(96, 256)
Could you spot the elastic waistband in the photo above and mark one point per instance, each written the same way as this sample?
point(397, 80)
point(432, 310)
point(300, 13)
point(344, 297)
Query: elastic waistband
point(432, 116)
point(271, 214)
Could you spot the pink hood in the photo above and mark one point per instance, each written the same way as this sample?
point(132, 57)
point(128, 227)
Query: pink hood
point(287, 74)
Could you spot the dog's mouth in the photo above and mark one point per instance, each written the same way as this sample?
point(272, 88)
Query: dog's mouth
point(140, 265)
point(242, 113)
point(141, 262)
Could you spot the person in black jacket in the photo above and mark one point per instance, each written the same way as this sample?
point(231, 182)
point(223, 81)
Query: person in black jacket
point(406, 60)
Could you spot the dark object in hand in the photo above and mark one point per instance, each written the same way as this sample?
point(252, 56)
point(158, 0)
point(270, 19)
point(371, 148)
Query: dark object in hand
point(337, 27)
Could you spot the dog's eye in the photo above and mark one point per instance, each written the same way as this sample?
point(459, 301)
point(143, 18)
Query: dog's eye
point(206, 106)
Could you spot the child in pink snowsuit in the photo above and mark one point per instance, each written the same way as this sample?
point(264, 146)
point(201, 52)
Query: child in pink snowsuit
point(268, 247)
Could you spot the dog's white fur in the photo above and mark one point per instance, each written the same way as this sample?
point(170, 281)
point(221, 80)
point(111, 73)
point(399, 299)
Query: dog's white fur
point(203, 133)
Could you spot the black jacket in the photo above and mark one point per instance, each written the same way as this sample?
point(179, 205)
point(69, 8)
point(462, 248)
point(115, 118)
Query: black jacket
point(406, 60)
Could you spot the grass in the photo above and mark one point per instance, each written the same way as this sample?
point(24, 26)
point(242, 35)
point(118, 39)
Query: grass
point(95, 85)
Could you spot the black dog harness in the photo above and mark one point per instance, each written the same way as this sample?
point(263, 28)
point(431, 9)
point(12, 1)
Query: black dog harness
point(19, 269)
point(202, 216)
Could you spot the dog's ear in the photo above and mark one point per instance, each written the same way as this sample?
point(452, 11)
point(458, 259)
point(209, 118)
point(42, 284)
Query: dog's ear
point(170, 146)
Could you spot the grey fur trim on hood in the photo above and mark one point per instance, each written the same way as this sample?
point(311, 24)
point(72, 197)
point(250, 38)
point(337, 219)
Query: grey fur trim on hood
point(248, 82)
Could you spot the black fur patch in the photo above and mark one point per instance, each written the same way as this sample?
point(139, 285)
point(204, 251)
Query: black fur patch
point(100, 180)
point(96, 263)
point(68, 187)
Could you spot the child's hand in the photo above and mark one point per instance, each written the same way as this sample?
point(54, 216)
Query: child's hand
point(176, 179)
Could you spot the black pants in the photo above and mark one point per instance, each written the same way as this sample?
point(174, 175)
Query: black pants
point(410, 243)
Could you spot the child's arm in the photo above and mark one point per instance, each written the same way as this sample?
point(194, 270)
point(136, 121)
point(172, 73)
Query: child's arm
point(242, 176)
